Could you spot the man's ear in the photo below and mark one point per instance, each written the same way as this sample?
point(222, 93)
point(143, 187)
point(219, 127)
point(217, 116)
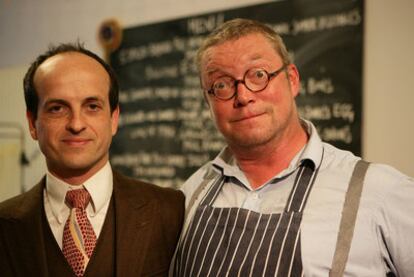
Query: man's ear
point(115, 119)
point(294, 79)
point(31, 119)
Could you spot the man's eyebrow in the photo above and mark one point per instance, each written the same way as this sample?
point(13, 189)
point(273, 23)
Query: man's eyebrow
point(256, 57)
point(55, 101)
point(93, 98)
point(212, 71)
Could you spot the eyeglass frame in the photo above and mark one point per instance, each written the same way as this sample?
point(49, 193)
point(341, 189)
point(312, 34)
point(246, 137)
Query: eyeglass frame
point(237, 81)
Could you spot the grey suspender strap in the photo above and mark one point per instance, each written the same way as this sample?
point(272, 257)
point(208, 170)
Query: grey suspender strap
point(210, 174)
point(349, 213)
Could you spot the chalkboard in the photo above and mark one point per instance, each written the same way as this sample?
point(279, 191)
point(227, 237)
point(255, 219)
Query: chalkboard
point(165, 130)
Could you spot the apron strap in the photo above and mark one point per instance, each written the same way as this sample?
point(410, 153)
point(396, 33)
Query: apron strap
point(347, 225)
point(210, 175)
point(304, 180)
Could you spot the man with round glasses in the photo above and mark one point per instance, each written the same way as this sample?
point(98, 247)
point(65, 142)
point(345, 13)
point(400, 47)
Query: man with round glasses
point(277, 201)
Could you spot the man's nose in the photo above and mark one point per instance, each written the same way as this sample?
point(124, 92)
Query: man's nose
point(243, 94)
point(76, 122)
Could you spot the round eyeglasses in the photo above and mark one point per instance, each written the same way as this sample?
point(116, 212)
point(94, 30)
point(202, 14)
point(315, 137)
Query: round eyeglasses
point(255, 80)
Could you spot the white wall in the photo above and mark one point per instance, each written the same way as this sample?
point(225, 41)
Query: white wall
point(12, 110)
point(27, 27)
point(388, 83)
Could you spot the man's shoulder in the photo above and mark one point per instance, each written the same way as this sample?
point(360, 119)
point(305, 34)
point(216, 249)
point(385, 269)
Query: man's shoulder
point(144, 189)
point(379, 173)
point(205, 172)
point(21, 204)
point(380, 179)
point(169, 202)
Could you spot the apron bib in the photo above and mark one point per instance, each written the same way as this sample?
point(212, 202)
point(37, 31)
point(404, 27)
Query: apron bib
point(241, 242)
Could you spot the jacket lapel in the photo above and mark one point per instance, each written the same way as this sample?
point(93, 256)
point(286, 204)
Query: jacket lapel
point(133, 218)
point(25, 235)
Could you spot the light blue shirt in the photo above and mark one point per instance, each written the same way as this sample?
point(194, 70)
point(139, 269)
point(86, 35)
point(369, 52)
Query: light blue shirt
point(383, 237)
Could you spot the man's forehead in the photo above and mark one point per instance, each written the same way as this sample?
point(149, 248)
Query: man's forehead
point(69, 71)
point(253, 46)
point(65, 63)
point(66, 60)
point(210, 60)
point(213, 63)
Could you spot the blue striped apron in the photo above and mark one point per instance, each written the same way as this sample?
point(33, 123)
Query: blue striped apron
point(240, 242)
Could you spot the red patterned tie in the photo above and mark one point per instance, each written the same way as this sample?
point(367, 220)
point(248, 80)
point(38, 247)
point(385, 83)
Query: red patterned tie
point(78, 236)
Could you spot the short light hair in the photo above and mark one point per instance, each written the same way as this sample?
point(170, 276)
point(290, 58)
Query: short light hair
point(240, 27)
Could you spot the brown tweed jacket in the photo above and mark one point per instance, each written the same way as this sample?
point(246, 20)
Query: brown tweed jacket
point(148, 222)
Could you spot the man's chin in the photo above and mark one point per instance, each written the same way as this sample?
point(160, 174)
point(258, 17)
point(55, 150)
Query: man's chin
point(248, 141)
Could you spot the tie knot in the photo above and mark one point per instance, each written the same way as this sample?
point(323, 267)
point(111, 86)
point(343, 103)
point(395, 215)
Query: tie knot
point(78, 198)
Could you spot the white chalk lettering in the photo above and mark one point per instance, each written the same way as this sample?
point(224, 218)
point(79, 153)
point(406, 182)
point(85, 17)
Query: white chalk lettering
point(157, 49)
point(201, 25)
point(123, 97)
point(166, 93)
point(140, 94)
point(159, 171)
point(147, 116)
point(132, 54)
point(192, 81)
point(155, 73)
point(337, 134)
point(195, 42)
point(166, 131)
point(350, 18)
point(191, 145)
point(315, 112)
point(193, 124)
point(191, 103)
point(281, 28)
point(149, 158)
point(212, 145)
point(305, 25)
point(142, 132)
point(131, 118)
point(323, 85)
point(324, 22)
point(197, 160)
point(192, 93)
point(187, 115)
point(169, 182)
point(179, 44)
point(344, 111)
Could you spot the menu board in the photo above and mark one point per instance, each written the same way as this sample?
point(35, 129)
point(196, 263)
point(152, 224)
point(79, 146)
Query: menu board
point(165, 130)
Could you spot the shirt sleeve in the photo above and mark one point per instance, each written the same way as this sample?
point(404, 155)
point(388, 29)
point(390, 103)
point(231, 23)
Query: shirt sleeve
point(396, 218)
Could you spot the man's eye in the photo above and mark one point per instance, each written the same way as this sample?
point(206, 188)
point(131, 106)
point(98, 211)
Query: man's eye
point(93, 107)
point(55, 109)
point(260, 74)
point(220, 85)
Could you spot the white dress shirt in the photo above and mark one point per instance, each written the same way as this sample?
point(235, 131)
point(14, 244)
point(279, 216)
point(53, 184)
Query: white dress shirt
point(57, 211)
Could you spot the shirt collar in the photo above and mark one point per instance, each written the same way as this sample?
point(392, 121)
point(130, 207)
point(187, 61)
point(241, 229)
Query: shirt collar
point(99, 187)
point(314, 148)
point(227, 164)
